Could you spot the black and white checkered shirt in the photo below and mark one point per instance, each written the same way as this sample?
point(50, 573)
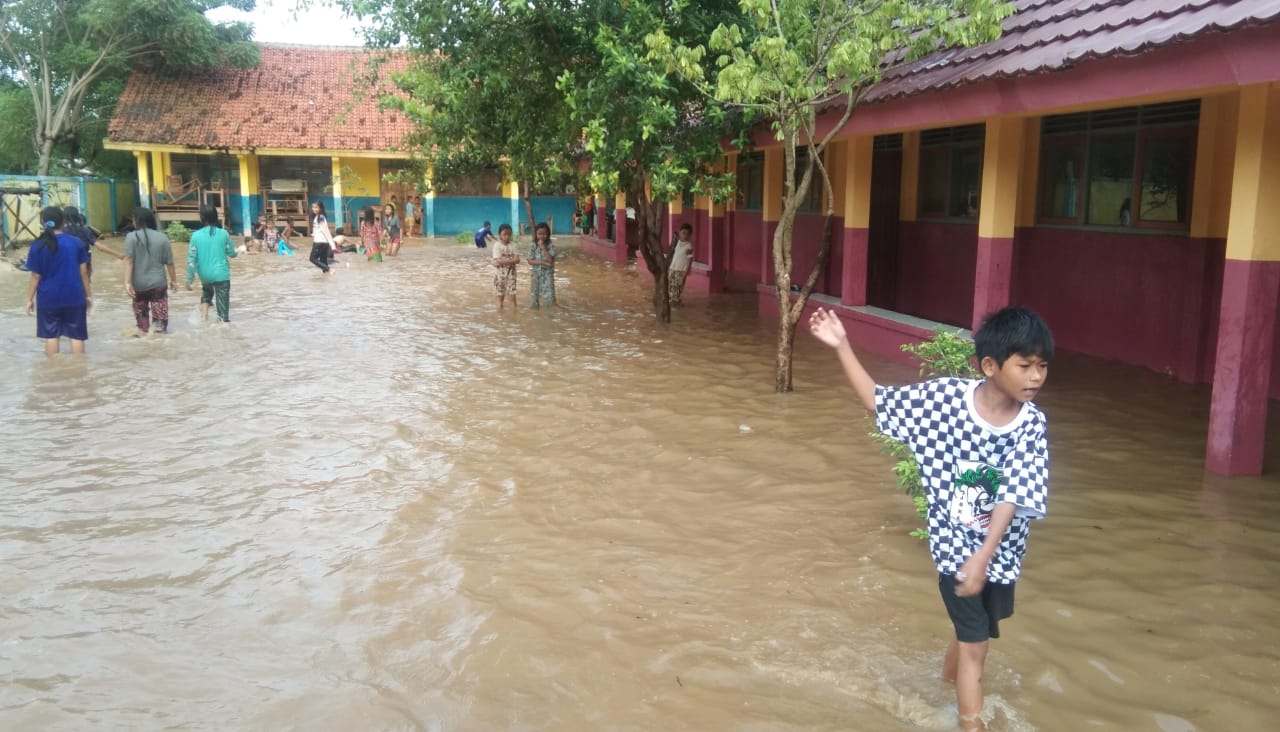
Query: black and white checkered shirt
point(969, 466)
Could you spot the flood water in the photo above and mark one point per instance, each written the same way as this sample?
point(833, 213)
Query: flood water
point(372, 502)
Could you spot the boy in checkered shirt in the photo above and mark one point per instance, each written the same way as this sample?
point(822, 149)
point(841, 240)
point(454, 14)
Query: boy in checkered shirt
point(983, 459)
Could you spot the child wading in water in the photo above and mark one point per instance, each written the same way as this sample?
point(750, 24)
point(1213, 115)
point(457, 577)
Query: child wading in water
point(542, 260)
point(321, 239)
point(505, 260)
point(391, 226)
point(370, 234)
point(984, 461)
point(209, 256)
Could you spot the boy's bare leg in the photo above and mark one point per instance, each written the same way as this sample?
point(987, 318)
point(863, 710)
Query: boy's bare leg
point(950, 660)
point(51, 346)
point(501, 302)
point(204, 312)
point(970, 659)
point(77, 346)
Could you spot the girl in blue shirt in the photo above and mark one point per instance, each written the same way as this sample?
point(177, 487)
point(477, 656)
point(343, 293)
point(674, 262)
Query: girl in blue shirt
point(58, 292)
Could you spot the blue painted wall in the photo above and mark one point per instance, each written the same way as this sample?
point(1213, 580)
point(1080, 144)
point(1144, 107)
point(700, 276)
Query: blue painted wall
point(454, 214)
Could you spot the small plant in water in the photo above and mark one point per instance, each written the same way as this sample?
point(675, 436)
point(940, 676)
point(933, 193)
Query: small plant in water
point(945, 354)
point(177, 232)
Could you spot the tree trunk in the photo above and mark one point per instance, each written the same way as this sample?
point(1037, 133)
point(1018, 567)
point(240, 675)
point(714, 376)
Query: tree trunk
point(46, 155)
point(788, 312)
point(650, 245)
point(786, 344)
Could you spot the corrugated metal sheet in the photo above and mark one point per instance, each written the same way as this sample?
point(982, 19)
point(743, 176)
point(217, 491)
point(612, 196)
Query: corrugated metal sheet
point(1048, 35)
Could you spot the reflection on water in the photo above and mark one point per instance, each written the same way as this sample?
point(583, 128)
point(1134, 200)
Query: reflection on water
point(372, 502)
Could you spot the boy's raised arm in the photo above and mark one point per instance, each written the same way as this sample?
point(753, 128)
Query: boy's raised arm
point(826, 327)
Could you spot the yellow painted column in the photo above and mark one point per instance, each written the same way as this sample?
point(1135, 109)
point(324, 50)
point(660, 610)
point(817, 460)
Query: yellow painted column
point(1002, 163)
point(1215, 164)
point(1250, 290)
point(144, 179)
point(771, 213)
point(338, 216)
point(856, 182)
point(249, 193)
point(511, 189)
point(157, 169)
point(621, 252)
point(909, 190)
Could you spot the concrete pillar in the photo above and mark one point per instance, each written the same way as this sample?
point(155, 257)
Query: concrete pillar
point(429, 203)
point(338, 213)
point(144, 179)
point(1250, 290)
point(717, 246)
point(249, 186)
point(997, 215)
point(511, 190)
point(620, 228)
point(771, 211)
point(856, 209)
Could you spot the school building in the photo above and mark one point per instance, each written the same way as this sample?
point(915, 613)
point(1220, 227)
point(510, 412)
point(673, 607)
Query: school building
point(1113, 165)
point(304, 125)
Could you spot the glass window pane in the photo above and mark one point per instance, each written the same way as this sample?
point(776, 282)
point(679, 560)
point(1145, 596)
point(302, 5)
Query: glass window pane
point(966, 182)
point(1060, 193)
point(1111, 163)
point(1166, 179)
point(933, 181)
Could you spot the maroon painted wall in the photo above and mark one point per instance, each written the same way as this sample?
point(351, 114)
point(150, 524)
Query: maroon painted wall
point(936, 270)
point(744, 250)
point(1150, 300)
point(806, 240)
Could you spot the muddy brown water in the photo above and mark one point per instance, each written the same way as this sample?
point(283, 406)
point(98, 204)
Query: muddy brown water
point(372, 502)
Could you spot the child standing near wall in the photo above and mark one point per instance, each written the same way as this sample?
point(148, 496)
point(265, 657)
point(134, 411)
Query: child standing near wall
point(681, 261)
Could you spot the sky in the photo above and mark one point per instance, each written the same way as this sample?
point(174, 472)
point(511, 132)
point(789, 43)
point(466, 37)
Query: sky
point(274, 21)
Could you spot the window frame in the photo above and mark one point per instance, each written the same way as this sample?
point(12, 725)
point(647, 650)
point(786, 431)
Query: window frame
point(960, 140)
point(1141, 132)
point(1191, 134)
point(750, 167)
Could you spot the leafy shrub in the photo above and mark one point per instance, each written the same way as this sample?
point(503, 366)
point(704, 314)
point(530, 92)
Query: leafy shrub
point(177, 232)
point(945, 354)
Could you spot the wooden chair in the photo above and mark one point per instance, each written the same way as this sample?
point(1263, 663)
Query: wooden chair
point(177, 191)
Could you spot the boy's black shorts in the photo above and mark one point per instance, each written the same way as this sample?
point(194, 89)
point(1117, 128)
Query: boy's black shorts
point(976, 618)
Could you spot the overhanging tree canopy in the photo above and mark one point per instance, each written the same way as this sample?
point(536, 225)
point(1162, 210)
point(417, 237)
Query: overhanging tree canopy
point(62, 51)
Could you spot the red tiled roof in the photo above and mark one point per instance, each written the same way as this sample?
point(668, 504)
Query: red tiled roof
point(297, 98)
point(1050, 35)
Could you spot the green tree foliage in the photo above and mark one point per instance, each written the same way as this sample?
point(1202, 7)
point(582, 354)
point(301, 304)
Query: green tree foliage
point(650, 134)
point(792, 61)
point(482, 87)
point(945, 354)
point(540, 87)
point(72, 57)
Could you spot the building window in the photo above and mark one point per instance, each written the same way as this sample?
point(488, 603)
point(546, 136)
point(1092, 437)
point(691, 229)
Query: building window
point(951, 172)
point(750, 183)
point(813, 201)
point(317, 172)
point(1126, 167)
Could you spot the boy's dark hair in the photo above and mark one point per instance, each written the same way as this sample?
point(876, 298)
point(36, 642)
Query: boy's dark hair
point(367, 214)
point(1013, 330)
point(504, 227)
point(686, 227)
